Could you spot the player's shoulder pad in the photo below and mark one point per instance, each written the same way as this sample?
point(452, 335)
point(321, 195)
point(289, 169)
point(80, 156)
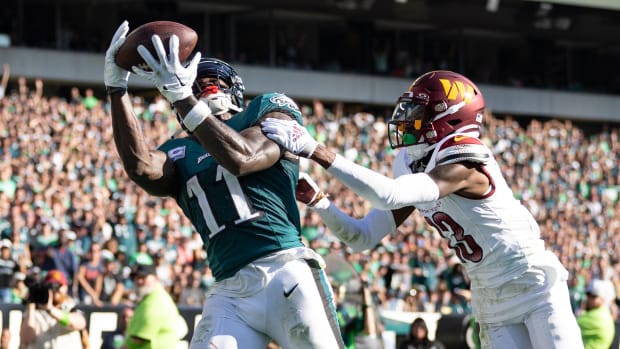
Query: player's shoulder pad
point(280, 102)
point(462, 148)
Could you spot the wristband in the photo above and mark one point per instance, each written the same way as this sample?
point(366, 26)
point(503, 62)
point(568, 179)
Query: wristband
point(115, 89)
point(199, 113)
point(322, 204)
point(320, 196)
point(64, 320)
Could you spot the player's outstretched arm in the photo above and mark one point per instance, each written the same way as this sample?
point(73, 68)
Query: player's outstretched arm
point(241, 153)
point(151, 170)
point(359, 234)
point(383, 192)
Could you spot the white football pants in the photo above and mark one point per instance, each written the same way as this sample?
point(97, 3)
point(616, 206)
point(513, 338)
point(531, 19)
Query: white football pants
point(533, 312)
point(285, 297)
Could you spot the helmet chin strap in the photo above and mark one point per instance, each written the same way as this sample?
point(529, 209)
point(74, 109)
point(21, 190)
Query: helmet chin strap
point(220, 103)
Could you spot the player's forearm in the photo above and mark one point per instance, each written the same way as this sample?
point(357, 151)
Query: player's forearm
point(226, 145)
point(323, 156)
point(130, 144)
point(359, 234)
point(383, 192)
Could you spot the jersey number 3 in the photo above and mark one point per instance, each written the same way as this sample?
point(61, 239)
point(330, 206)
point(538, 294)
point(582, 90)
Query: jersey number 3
point(243, 208)
point(466, 248)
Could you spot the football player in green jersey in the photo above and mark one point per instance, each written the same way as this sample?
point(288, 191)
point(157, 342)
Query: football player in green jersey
point(238, 189)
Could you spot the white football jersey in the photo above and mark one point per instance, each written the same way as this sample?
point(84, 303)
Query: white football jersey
point(496, 237)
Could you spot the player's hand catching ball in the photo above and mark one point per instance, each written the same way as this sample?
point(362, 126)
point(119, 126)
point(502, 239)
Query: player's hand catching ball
point(173, 80)
point(113, 75)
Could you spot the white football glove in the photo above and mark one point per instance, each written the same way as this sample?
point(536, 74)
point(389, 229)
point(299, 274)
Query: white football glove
point(113, 75)
point(172, 79)
point(290, 135)
point(307, 191)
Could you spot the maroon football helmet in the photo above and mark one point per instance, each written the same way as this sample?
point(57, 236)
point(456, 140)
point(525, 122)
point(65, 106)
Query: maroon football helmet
point(436, 105)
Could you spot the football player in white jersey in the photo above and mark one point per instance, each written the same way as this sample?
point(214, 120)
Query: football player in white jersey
point(519, 291)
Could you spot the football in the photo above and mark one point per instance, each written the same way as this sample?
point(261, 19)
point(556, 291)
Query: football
point(128, 56)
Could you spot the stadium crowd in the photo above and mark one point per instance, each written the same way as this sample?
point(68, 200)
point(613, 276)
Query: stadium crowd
point(66, 203)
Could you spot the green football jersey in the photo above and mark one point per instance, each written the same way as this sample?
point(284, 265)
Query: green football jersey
point(241, 218)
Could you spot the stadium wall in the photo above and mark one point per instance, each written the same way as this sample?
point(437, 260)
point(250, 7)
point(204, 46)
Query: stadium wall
point(87, 69)
point(452, 330)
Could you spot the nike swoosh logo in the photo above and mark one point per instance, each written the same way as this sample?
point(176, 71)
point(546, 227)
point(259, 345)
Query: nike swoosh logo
point(459, 138)
point(286, 294)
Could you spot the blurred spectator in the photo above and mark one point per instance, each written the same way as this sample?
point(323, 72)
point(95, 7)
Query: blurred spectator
point(8, 267)
point(126, 235)
point(165, 272)
point(596, 323)
point(19, 293)
point(75, 97)
point(116, 338)
point(142, 255)
point(417, 337)
point(89, 100)
point(350, 319)
point(369, 336)
point(6, 73)
point(90, 277)
point(112, 286)
point(51, 319)
point(193, 293)
point(7, 183)
point(66, 260)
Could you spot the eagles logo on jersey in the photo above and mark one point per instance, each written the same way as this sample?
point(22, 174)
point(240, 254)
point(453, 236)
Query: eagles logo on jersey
point(284, 101)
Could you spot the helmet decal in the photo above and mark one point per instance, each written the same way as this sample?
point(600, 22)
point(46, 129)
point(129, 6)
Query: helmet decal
point(457, 89)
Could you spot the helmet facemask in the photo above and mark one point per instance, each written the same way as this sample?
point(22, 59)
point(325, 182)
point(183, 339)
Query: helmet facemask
point(410, 125)
point(217, 96)
point(219, 85)
point(436, 105)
